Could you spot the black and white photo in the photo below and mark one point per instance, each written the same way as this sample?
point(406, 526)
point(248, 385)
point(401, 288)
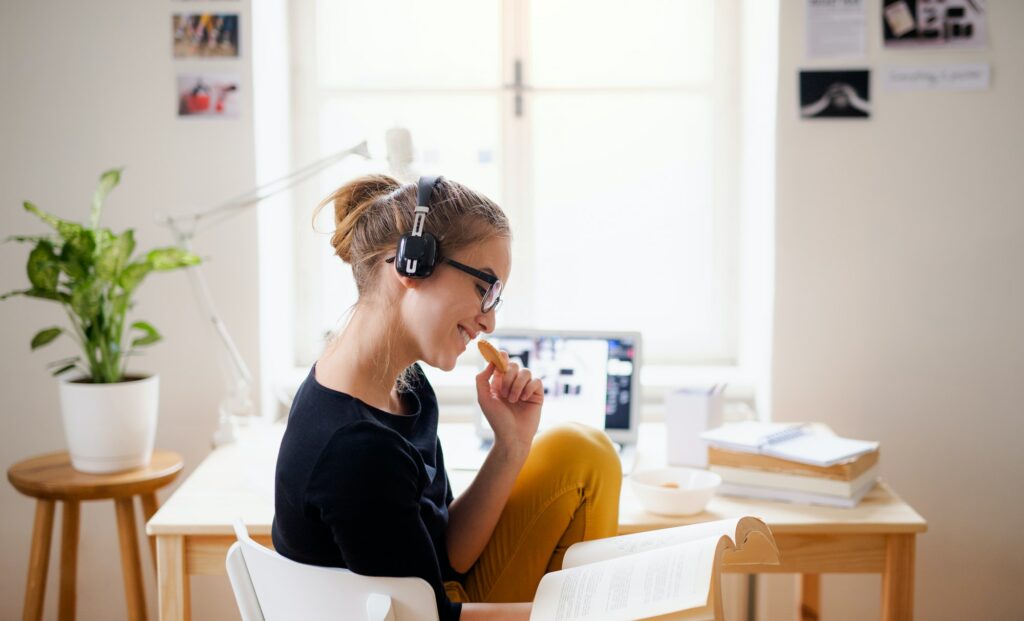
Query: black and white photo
point(832, 94)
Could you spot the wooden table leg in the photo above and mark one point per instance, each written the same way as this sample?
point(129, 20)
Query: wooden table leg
point(149, 507)
point(38, 561)
point(130, 567)
point(172, 579)
point(68, 560)
point(898, 578)
point(810, 597)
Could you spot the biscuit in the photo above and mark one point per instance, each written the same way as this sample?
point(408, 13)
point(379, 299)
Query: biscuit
point(492, 355)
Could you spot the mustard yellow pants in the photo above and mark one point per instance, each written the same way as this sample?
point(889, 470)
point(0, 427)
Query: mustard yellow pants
point(567, 491)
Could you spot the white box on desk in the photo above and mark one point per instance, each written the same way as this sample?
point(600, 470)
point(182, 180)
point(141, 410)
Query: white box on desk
point(689, 412)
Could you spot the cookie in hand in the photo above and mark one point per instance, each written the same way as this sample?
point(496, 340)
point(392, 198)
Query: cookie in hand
point(492, 355)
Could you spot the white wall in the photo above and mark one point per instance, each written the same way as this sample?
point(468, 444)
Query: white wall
point(88, 86)
point(900, 309)
point(899, 303)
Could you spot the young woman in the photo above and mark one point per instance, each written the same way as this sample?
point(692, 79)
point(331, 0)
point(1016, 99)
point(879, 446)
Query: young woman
point(360, 477)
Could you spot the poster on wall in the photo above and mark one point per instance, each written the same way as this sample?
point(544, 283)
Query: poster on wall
point(205, 35)
point(835, 94)
point(835, 28)
point(934, 23)
point(959, 77)
point(207, 95)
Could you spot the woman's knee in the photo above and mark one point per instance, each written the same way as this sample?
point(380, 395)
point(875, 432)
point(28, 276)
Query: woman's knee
point(575, 445)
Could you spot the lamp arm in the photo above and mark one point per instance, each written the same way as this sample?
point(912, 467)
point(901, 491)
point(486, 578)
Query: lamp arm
point(265, 191)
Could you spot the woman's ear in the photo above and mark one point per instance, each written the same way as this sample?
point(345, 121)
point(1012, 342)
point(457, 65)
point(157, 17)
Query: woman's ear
point(405, 281)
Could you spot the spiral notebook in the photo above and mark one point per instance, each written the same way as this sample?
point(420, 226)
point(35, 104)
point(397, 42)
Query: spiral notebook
point(794, 441)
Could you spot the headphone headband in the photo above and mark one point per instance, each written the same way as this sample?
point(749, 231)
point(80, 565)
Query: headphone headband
point(424, 190)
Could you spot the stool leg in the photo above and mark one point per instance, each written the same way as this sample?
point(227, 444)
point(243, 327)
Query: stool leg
point(38, 561)
point(149, 507)
point(130, 559)
point(68, 560)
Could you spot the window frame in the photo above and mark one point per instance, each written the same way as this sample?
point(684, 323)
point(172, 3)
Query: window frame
point(745, 375)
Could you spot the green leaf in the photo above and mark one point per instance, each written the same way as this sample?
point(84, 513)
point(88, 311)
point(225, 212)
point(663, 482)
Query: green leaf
point(11, 294)
point(64, 369)
point(169, 258)
point(108, 181)
point(132, 275)
point(31, 238)
point(66, 229)
point(43, 267)
point(104, 238)
point(44, 337)
point(115, 255)
point(63, 361)
point(78, 254)
point(85, 299)
point(150, 335)
point(43, 294)
point(121, 302)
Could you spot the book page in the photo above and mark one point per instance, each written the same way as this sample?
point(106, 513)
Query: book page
point(596, 550)
point(637, 586)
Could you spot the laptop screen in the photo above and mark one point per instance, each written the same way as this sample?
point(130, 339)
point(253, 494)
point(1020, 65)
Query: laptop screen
point(586, 378)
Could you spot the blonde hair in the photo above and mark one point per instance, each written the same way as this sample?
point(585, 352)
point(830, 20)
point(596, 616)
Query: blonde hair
point(372, 212)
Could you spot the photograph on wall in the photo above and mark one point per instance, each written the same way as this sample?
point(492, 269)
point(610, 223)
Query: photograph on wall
point(208, 95)
point(835, 94)
point(198, 35)
point(949, 23)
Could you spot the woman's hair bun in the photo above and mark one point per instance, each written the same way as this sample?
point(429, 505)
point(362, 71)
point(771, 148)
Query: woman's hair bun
point(350, 202)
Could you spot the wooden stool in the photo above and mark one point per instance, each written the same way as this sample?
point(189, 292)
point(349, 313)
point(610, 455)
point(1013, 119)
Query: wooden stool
point(50, 478)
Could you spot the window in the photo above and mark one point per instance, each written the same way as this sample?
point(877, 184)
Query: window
point(608, 131)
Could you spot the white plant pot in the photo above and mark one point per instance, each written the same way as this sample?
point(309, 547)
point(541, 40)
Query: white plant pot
point(110, 427)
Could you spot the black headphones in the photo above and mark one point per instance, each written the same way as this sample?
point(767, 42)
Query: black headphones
point(418, 251)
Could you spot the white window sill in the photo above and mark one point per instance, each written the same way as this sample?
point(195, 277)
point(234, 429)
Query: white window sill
point(456, 392)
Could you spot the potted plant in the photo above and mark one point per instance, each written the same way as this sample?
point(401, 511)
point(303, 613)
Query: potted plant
point(109, 416)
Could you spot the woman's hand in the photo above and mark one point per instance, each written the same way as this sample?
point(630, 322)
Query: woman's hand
point(511, 401)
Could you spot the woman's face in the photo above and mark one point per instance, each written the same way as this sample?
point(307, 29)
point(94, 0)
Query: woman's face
point(442, 312)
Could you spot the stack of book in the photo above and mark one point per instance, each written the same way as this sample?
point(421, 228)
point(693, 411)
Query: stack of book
point(788, 462)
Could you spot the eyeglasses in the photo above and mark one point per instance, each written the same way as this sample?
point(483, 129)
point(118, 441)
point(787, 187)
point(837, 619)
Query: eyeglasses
point(492, 297)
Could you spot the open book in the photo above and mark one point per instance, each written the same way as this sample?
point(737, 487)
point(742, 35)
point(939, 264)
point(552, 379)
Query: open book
point(672, 573)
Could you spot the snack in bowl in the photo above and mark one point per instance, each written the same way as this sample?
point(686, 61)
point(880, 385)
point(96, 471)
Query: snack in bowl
point(492, 355)
point(674, 490)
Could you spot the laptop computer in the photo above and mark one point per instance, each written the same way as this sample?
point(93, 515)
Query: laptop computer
point(588, 377)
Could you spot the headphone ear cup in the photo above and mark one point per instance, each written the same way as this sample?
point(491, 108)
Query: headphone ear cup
point(422, 251)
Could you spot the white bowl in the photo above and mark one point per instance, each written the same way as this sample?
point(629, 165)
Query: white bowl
point(674, 490)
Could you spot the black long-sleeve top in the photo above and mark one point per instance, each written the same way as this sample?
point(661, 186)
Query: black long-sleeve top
point(365, 489)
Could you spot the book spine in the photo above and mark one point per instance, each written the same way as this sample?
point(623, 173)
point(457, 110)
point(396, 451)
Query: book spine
point(840, 472)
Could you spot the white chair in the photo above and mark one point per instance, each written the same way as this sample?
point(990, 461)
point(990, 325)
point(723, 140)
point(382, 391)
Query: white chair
point(270, 587)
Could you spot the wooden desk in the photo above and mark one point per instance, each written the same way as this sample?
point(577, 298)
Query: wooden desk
point(193, 528)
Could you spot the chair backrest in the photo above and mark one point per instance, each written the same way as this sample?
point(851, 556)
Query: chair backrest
point(270, 587)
